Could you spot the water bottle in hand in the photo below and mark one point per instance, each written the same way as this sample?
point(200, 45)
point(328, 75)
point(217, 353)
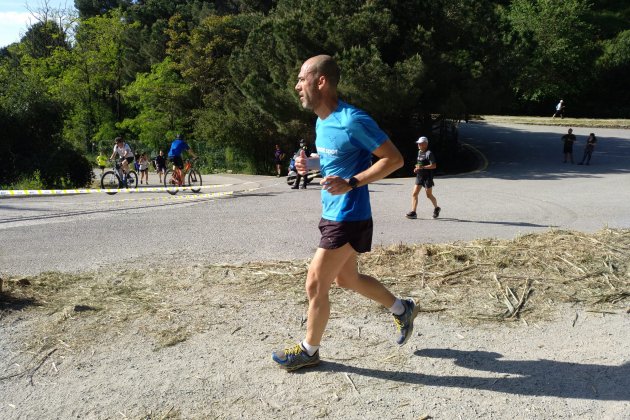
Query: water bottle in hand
point(302, 161)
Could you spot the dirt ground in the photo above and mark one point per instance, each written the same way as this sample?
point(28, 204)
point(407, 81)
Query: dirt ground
point(532, 328)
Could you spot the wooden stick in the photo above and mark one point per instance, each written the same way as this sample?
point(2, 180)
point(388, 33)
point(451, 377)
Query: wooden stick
point(351, 383)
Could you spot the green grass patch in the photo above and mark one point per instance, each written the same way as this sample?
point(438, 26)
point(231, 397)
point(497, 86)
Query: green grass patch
point(564, 122)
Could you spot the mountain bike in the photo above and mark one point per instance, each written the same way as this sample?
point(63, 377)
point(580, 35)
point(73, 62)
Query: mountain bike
point(178, 179)
point(114, 179)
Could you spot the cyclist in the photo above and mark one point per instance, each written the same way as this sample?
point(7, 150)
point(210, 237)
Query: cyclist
point(123, 151)
point(179, 146)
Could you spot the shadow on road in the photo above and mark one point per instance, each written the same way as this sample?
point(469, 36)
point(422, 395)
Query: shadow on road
point(526, 153)
point(496, 222)
point(520, 377)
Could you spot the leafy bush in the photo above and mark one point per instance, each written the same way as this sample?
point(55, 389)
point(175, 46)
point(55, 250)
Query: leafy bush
point(67, 168)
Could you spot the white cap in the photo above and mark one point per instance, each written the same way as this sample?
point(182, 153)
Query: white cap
point(422, 140)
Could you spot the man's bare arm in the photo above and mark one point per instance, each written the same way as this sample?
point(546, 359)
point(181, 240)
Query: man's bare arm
point(390, 159)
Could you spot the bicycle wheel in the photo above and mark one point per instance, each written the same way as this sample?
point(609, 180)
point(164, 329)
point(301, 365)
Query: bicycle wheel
point(170, 182)
point(194, 180)
point(110, 181)
point(132, 180)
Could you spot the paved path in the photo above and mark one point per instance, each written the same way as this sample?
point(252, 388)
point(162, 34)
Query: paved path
point(524, 188)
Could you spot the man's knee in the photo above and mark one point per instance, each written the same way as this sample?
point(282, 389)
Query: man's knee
point(314, 289)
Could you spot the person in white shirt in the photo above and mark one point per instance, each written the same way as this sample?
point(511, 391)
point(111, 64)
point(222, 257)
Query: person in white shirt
point(559, 110)
point(124, 152)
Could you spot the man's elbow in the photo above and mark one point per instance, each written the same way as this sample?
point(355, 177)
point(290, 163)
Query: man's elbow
point(397, 162)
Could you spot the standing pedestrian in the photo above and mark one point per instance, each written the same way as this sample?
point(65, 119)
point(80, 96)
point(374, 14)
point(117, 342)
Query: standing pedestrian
point(425, 165)
point(101, 161)
point(278, 157)
point(588, 149)
point(160, 164)
point(346, 140)
point(301, 177)
point(143, 167)
point(567, 148)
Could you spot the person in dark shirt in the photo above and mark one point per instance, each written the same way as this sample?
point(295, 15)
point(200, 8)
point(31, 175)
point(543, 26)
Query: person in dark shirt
point(307, 150)
point(160, 164)
point(588, 149)
point(568, 140)
point(278, 157)
point(425, 166)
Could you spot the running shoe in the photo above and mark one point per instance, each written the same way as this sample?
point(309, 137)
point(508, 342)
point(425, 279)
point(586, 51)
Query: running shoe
point(411, 215)
point(436, 212)
point(294, 358)
point(404, 322)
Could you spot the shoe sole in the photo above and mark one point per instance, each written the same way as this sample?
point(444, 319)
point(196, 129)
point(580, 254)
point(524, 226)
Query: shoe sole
point(305, 365)
point(414, 314)
point(411, 217)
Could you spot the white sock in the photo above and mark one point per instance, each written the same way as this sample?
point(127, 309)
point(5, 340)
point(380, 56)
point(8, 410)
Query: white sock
point(310, 350)
point(397, 308)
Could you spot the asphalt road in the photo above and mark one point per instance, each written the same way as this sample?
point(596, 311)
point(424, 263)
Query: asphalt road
point(524, 188)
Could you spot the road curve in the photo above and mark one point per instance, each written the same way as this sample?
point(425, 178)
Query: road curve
point(524, 188)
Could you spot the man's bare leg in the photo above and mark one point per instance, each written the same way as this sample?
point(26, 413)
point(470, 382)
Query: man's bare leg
point(350, 278)
point(323, 270)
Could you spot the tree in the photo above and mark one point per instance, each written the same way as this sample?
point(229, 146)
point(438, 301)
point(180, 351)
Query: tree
point(227, 124)
point(401, 64)
point(552, 52)
point(612, 86)
point(32, 122)
point(92, 78)
point(93, 8)
point(43, 38)
point(163, 103)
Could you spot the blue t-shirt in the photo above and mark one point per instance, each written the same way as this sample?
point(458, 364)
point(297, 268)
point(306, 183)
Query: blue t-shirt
point(177, 148)
point(345, 142)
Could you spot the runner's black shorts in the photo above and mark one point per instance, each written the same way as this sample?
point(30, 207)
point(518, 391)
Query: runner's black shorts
point(337, 234)
point(425, 181)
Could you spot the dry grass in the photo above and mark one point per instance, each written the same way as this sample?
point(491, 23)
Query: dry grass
point(481, 281)
point(525, 278)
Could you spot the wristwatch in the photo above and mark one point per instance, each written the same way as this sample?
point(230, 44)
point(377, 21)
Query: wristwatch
point(353, 182)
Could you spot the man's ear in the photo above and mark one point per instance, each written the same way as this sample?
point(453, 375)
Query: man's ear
point(321, 81)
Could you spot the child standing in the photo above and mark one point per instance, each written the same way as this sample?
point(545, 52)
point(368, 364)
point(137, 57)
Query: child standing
point(424, 178)
point(143, 166)
point(101, 161)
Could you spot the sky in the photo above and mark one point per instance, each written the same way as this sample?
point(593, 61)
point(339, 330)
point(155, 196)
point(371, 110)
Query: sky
point(15, 17)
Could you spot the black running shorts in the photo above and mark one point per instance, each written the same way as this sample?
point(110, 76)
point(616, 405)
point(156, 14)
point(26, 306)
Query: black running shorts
point(337, 234)
point(425, 181)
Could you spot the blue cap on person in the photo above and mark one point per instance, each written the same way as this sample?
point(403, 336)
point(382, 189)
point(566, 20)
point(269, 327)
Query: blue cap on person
point(422, 140)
